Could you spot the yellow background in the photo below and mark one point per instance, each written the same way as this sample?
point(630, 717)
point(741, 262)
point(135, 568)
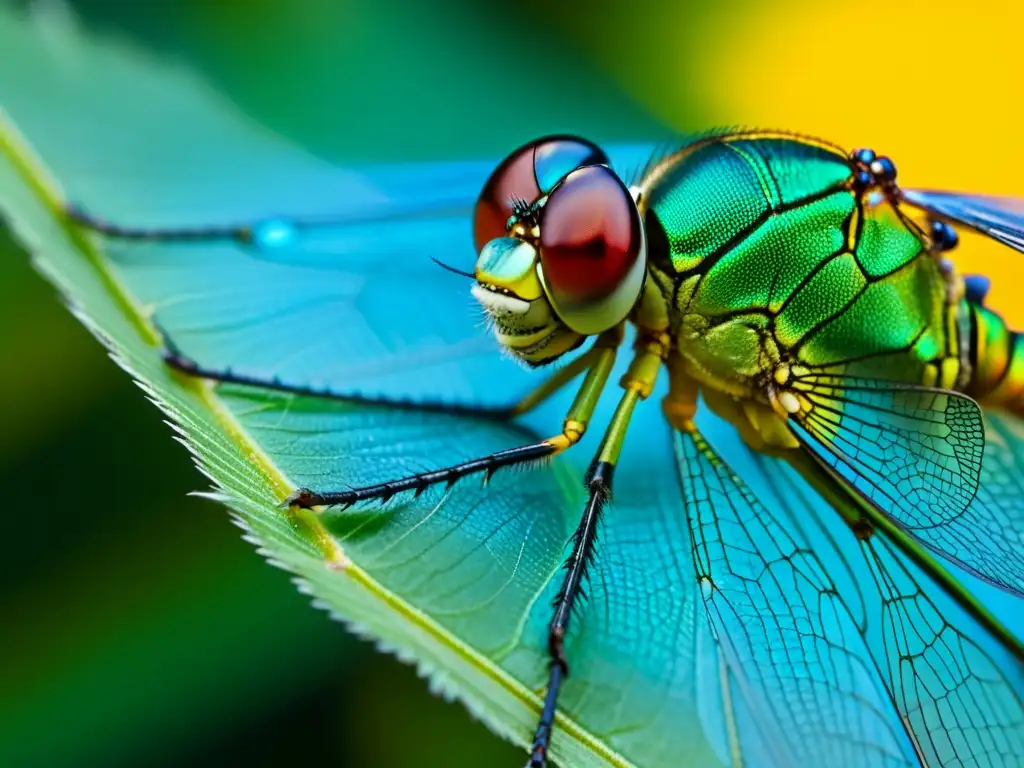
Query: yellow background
point(934, 85)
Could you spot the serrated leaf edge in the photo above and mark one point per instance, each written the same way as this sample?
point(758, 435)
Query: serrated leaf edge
point(331, 554)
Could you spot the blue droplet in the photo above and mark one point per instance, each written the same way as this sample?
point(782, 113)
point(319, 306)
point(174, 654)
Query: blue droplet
point(273, 233)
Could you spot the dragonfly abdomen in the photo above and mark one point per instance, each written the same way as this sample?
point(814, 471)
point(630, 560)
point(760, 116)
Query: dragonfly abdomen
point(996, 354)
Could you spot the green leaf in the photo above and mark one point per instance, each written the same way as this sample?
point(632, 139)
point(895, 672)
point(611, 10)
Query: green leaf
point(245, 479)
point(463, 594)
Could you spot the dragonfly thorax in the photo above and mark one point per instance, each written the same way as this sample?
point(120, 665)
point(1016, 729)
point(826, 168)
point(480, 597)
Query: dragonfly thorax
point(776, 253)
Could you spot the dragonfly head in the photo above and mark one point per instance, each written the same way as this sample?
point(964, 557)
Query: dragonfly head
point(562, 248)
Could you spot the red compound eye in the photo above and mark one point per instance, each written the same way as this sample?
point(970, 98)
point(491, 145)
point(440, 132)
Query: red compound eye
point(527, 174)
point(592, 249)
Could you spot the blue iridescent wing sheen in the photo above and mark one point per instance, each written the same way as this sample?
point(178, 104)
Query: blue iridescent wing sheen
point(930, 460)
point(343, 299)
point(348, 302)
point(799, 679)
point(351, 304)
point(995, 520)
point(1001, 218)
point(959, 705)
point(827, 658)
point(475, 566)
point(914, 450)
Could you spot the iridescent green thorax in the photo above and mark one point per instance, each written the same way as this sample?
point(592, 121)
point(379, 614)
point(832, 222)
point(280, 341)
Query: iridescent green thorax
point(772, 256)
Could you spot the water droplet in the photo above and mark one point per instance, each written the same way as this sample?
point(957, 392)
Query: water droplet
point(273, 233)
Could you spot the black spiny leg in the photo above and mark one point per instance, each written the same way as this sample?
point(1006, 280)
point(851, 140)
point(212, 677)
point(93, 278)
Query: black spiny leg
point(78, 215)
point(383, 492)
point(600, 485)
point(179, 362)
point(599, 360)
point(638, 382)
point(597, 363)
point(272, 233)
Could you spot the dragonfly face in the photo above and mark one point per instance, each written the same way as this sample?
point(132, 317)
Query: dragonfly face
point(562, 250)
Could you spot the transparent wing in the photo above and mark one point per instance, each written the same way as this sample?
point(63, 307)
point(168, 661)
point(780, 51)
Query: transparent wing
point(277, 263)
point(348, 302)
point(929, 460)
point(797, 621)
point(913, 449)
point(1001, 218)
point(801, 684)
point(958, 705)
point(485, 563)
point(991, 530)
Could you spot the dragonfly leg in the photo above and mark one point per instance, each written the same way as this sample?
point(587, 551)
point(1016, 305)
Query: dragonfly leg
point(638, 383)
point(273, 232)
point(600, 361)
point(554, 383)
point(175, 359)
point(242, 233)
point(599, 483)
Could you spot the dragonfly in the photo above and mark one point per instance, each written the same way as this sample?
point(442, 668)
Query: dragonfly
point(795, 290)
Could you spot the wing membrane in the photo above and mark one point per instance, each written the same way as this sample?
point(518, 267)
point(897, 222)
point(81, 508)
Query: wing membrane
point(989, 536)
point(930, 461)
point(956, 703)
point(802, 662)
point(1001, 218)
point(917, 451)
point(799, 670)
point(348, 302)
point(351, 304)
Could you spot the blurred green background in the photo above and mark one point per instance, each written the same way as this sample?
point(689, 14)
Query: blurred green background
point(138, 628)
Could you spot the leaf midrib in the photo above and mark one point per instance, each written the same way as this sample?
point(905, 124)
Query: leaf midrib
point(38, 179)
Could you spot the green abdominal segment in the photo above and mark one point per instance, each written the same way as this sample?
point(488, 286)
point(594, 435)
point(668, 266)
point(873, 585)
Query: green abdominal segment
point(996, 356)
